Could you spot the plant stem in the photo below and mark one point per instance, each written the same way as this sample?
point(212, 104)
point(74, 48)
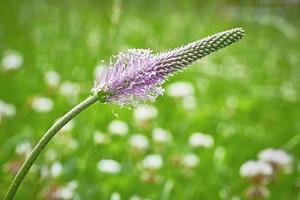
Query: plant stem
point(44, 141)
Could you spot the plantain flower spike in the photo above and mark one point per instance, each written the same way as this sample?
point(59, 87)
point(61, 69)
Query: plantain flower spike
point(136, 76)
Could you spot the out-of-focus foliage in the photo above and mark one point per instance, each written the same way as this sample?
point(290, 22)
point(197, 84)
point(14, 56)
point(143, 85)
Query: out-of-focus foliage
point(191, 143)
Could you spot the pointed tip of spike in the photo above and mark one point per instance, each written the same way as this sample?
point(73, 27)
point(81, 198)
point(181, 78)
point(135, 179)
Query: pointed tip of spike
point(239, 31)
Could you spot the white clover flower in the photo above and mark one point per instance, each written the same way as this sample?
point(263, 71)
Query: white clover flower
point(115, 196)
point(189, 102)
point(56, 169)
point(109, 166)
point(100, 138)
point(24, 148)
point(7, 109)
point(69, 89)
point(42, 104)
point(190, 160)
point(252, 169)
point(12, 60)
point(117, 127)
point(276, 157)
point(201, 140)
point(45, 171)
point(139, 142)
point(145, 113)
point(180, 89)
point(160, 135)
point(67, 192)
point(152, 162)
point(52, 78)
point(51, 155)
point(135, 197)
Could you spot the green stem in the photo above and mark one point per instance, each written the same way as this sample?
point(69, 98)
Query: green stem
point(44, 141)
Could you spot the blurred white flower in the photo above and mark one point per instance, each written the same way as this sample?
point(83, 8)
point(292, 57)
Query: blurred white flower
point(100, 138)
point(160, 135)
point(109, 166)
point(51, 155)
point(152, 162)
point(69, 89)
point(251, 169)
point(139, 142)
point(67, 192)
point(135, 197)
point(276, 157)
point(45, 171)
point(115, 196)
point(145, 113)
point(117, 127)
point(23, 148)
point(190, 160)
point(201, 140)
point(42, 104)
point(12, 60)
point(180, 89)
point(189, 102)
point(52, 78)
point(6, 109)
point(56, 169)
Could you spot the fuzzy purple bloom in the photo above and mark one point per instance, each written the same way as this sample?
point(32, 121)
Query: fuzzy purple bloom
point(136, 75)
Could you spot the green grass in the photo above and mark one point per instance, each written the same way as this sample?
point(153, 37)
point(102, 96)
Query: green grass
point(52, 35)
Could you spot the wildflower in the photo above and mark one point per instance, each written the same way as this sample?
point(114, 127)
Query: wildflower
point(51, 155)
point(6, 109)
point(100, 138)
point(139, 142)
point(52, 78)
point(180, 89)
point(190, 160)
point(109, 166)
point(136, 75)
point(67, 191)
point(56, 169)
point(117, 127)
point(42, 104)
point(69, 89)
point(201, 140)
point(189, 102)
point(135, 197)
point(24, 148)
point(257, 171)
point(152, 162)
point(115, 196)
point(12, 60)
point(145, 113)
point(161, 136)
point(278, 158)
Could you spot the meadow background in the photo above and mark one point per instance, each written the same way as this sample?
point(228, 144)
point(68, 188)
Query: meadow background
point(246, 97)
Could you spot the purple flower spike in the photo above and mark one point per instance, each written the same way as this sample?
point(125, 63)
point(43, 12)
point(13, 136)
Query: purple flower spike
point(136, 75)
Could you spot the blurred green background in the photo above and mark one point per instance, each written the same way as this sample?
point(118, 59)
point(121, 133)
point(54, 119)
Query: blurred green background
point(246, 97)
